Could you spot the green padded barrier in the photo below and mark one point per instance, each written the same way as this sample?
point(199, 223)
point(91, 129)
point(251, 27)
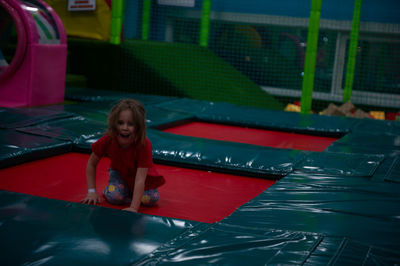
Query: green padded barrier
point(22, 117)
point(377, 126)
point(37, 230)
point(226, 113)
point(226, 244)
point(96, 111)
point(393, 174)
point(383, 143)
point(350, 252)
point(80, 131)
point(345, 251)
point(95, 104)
point(239, 245)
point(157, 117)
point(345, 206)
point(187, 70)
point(17, 147)
point(341, 164)
point(223, 156)
point(362, 148)
point(98, 95)
point(217, 112)
point(63, 233)
point(375, 142)
point(388, 169)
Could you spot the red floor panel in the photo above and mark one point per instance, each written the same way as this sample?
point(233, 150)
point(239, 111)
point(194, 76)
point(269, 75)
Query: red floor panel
point(188, 194)
point(261, 137)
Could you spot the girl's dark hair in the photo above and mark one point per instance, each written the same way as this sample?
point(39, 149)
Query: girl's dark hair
point(139, 116)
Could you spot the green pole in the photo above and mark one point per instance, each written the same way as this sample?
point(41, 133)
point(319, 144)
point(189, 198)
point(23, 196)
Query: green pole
point(351, 60)
point(205, 23)
point(311, 56)
point(117, 18)
point(146, 19)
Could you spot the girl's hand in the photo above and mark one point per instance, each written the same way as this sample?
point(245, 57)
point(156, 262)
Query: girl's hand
point(92, 199)
point(130, 209)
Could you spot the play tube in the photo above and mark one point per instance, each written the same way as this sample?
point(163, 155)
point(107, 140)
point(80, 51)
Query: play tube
point(33, 54)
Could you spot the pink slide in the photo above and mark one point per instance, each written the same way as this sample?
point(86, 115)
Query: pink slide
point(35, 74)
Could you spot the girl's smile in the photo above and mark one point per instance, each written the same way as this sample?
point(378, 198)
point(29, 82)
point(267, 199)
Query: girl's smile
point(125, 128)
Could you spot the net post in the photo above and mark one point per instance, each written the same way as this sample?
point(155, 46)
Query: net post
point(351, 60)
point(205, 23)
point(117, 18)
point(311, 56)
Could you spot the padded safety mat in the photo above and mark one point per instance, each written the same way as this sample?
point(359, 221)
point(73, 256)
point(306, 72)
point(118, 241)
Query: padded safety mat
point(20, 117)
point(52, 232)
point(357, 208)
point(188, 194)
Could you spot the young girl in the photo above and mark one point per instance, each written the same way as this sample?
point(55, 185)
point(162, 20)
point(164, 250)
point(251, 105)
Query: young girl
point(133, 179)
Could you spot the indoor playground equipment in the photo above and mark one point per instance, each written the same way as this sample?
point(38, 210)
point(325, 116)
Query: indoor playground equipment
point(93, 24)
point(34, 48)
point(244, 185)
point(328, 194)
point(264, 41)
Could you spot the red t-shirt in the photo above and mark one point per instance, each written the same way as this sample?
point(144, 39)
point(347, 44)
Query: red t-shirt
point(126, 161)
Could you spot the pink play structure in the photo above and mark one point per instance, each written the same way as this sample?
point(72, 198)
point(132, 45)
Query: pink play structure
point(36, 73)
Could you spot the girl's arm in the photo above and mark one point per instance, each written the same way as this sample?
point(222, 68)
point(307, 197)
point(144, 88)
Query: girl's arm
point(92, 197)
point(140, 180)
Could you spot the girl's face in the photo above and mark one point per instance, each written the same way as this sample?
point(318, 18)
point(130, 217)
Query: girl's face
point(125, 128)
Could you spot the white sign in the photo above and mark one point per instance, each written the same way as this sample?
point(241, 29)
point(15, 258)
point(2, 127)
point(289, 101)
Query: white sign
point(185, 3)
point(81, 5)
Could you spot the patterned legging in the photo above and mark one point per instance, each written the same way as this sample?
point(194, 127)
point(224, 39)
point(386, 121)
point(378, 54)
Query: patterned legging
point(118, 193)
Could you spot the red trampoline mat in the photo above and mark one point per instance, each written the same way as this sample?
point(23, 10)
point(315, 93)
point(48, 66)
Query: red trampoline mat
point(260, 137)
point(188, 194)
